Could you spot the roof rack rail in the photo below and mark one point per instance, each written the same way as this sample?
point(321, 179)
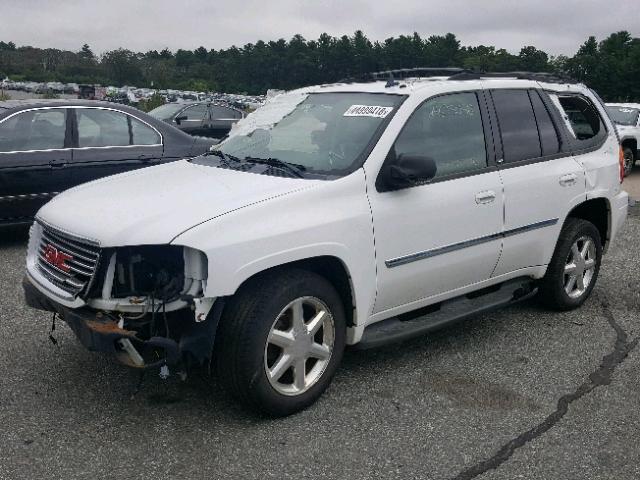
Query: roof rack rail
point(418, 73)
point(536, 76)
point(454, 73)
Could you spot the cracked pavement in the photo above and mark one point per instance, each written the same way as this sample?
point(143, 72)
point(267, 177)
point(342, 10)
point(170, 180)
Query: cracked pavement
point(519, 393)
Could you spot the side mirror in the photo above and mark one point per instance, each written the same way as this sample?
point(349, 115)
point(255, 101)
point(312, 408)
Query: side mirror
point(408, 171)
point(180, 118)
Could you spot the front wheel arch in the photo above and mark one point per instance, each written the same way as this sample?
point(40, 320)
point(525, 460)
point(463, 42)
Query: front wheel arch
point(331, 268)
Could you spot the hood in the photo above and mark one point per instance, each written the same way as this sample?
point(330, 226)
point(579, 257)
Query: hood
point(154, 205)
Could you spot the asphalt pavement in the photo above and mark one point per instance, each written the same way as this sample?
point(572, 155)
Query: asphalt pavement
point(523, 393)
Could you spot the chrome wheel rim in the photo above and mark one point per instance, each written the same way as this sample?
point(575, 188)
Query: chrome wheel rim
point(628, 162)
point(580, 267)
point(299, 346)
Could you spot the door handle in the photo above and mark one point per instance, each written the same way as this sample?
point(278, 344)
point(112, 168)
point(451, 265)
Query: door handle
point(568, 180)
point(487, 196)
point(57, 163)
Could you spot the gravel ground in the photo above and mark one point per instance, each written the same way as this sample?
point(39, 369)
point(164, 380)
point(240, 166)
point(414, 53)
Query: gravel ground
point(521, 393)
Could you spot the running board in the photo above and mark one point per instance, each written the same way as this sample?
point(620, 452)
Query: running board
point(433, 317)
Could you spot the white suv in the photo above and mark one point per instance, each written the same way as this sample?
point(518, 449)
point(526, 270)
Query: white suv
point(626, 117)
point(346, 214)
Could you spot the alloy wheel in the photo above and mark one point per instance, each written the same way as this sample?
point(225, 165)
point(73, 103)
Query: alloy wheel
point(299, 346)
point(580, 267)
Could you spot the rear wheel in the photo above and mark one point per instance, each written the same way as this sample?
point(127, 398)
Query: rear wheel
point(280, 341)
point(574, 268)
point(629, 160)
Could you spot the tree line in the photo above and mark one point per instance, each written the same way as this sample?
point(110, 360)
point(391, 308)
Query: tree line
point(611, 66)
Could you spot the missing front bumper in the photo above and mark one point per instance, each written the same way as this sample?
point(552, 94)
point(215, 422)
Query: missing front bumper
point(100, 333)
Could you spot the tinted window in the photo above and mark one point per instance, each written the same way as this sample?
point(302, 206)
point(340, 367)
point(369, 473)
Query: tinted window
point(449, 130)
point(197, 112)
point(581, 117)
point(223, 112)
point(548, 134)
point(143, 134)
point(102, 128)
point(517, 125)
point(33, 130)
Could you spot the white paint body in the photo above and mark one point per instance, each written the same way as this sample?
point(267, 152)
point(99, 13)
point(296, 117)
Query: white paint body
point(246, 223)
point(628, 132)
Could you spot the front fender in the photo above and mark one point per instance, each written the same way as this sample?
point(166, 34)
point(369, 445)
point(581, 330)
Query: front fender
point(333, 220)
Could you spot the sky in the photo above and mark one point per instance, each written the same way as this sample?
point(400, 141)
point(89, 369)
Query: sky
point(555, 26)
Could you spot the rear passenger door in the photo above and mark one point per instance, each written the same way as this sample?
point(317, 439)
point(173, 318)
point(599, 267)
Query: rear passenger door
point(541, 179)
point(109, 141)
point(222, 118)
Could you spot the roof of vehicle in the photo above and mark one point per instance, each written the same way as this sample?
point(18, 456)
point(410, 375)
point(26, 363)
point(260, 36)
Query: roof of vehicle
point(410, 86)
point(63, 102)
point(410, 81)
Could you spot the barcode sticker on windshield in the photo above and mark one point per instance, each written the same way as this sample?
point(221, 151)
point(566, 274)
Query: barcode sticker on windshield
point(368, 111)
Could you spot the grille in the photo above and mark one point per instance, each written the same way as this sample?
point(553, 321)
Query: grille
point(77, 260)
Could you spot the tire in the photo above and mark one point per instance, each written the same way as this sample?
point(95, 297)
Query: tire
point(629, 160)
point(246, 348)
point(555, 289)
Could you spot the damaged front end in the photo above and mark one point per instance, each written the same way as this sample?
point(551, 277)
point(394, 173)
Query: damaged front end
point(143, 304)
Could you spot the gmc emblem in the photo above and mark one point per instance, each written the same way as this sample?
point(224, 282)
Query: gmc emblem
point(57, 258)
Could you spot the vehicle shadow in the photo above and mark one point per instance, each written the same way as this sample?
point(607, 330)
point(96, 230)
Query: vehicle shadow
point(202, 396)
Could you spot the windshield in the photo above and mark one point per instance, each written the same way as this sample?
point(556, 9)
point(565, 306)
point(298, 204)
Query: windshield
point(323, 133)
point(166, 111)
point(623, 115)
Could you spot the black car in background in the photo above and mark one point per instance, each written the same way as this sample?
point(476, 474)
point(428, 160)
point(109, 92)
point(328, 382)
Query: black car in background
point(47, 146)
point(203, 119)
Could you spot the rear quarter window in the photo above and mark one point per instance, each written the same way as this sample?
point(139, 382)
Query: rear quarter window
point(581, 118)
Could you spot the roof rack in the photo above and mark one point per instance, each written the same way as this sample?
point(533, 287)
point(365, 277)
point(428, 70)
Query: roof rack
point(454, 73)
point(392, 75)
point(536, 76)
point(418, 73)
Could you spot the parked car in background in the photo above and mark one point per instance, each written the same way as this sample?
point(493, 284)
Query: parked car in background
point(199, 118)
point(47, 146)
point(354, 213)
point(626, 117)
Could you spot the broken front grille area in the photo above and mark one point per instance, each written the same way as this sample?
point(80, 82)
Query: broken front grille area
point(68, 262)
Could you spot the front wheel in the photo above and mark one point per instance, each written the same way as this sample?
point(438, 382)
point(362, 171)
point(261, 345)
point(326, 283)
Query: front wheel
point(574, 267)
point(280, 341)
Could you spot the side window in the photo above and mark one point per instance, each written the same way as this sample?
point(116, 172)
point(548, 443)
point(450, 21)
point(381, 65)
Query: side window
point(223, 112)
point(143, 134)
point(34, 130)
point(449, 130)
point(197, 112)
point(102, 128)
point(582, 118)
point(518, 127)
point(548, 133)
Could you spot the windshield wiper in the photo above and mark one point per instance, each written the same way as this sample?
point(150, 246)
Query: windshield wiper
point(224, 157)
point(293, 168)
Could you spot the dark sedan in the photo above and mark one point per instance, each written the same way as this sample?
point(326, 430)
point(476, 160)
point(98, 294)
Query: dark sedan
point(204, 119)
point(47, 146)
